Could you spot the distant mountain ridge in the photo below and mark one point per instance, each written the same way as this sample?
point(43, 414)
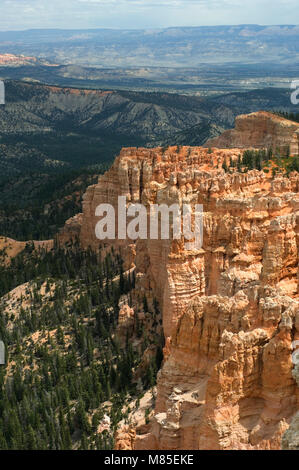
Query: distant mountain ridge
point(177, 46)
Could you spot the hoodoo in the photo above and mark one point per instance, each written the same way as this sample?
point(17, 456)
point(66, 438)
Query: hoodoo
point(230, 310)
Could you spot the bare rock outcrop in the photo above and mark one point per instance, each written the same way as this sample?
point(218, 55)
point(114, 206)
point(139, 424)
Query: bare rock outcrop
point(260, 130)
point(71, 230)
point(230, 309)
point(124, 438)
point(125, 322)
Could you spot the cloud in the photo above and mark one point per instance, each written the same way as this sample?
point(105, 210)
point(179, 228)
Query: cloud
point(24, 14)
point(163, 3)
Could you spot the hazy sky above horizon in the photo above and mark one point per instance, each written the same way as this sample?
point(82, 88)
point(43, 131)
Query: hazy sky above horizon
point(24, 14)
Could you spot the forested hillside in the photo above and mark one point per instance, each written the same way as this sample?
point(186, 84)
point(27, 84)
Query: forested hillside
point(51, 129)
point(35, 205)
point(67, 368)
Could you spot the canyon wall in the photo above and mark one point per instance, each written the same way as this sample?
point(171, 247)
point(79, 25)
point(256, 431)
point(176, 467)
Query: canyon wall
point(260, 130)
point(230, 309)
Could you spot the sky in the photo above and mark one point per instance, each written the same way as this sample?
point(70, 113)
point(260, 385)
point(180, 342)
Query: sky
point(81, 14)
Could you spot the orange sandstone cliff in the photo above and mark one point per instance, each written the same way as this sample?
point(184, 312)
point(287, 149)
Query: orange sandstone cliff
point(260, 130)
point(230, 309)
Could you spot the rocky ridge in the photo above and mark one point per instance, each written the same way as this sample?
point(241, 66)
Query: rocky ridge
point(260, 130)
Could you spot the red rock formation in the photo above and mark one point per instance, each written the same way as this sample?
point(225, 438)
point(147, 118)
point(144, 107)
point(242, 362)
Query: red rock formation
point(125, 438)
point(260, 130)
point(71, 230)
point(13, 60)
point(125, 321)
point(230, 310)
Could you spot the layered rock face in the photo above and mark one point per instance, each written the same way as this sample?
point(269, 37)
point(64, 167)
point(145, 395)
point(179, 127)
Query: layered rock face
point(260, 130)
point(230, 309)
point(164, 269)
